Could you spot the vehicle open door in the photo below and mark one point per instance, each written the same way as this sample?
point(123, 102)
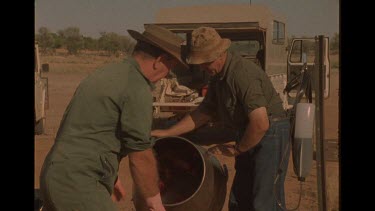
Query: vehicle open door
point(307, 49)
point(40, 93)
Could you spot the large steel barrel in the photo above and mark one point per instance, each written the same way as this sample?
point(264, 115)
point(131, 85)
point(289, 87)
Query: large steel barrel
point(191, 178)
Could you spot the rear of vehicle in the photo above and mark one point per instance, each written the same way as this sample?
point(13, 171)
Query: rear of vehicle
point(256, 33)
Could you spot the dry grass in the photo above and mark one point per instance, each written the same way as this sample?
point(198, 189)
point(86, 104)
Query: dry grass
point(334, 59)
point(87, 61)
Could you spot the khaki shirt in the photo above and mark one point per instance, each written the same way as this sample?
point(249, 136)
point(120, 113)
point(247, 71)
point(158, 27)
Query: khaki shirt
point(109, 116)
point(238, 89)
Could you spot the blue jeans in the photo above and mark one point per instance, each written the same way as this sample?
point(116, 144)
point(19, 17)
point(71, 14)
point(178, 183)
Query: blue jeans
point(256, 169)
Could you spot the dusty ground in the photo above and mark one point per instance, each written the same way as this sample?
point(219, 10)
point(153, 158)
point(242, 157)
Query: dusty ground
point(62, 85)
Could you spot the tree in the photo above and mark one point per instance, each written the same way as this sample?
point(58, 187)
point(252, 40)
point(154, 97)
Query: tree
point(45, 39)
point(73, 39)
point(90, 43)
point(58, 41)
point(110, 42)
point(127, 44)
point(114, 43)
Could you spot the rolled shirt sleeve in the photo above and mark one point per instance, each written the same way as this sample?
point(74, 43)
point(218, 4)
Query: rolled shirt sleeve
point(136, 118)
point(250, 92)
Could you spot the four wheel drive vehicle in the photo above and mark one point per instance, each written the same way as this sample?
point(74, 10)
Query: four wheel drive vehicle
point(256, 33)
point(40, 93)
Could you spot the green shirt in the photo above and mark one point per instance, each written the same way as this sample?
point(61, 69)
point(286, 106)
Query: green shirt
point(238, 89)
point(109, 116)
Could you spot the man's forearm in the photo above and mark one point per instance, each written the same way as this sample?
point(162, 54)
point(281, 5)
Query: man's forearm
point(143, 168)
point(188, 123)
point(255, 129)
point(250, 138)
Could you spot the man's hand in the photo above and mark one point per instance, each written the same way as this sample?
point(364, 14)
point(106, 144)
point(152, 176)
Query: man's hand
point(118, 191)
point(159, 133)
point(224, 149)
point(188, 123)
point(154, 203)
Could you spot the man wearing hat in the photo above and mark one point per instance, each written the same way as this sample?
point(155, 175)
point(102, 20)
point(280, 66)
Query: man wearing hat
point(241, 94)
point(109, 117)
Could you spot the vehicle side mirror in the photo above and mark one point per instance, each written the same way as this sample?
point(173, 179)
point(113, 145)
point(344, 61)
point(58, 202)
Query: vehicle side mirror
point(45, 67)
point(287, 48)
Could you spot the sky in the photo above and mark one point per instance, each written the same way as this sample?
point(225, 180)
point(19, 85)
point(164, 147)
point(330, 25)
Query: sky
point(304, 17)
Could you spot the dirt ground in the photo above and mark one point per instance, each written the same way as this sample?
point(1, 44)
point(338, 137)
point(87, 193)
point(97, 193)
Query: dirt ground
point(62, 86)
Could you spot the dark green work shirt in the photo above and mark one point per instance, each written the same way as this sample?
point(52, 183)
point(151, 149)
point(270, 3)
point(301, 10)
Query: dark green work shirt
point(238, 89)
point(109, 116)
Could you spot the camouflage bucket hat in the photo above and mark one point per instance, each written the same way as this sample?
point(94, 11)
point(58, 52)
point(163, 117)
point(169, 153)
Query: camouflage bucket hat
point(206, 45)
point(161, 38)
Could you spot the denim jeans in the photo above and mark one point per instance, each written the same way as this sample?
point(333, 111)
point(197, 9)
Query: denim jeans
point(256, 169)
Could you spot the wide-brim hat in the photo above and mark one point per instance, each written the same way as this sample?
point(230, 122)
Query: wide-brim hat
point(162, 38)
point(206, 45)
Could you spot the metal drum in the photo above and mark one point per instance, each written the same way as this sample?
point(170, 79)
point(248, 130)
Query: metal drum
point(191, 178)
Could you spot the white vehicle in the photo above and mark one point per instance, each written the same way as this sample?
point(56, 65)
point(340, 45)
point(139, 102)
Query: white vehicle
point(40, 93)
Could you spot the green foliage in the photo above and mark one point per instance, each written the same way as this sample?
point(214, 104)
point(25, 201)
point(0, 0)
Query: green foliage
point(58, 41)
point(45, 39)
point(114, 43)
point(90, 43)
point(71, 39)
point(109, 42)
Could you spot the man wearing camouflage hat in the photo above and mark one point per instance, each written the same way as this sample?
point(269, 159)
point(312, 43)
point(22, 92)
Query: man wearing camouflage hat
point(241, 94)
point(108, 118)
